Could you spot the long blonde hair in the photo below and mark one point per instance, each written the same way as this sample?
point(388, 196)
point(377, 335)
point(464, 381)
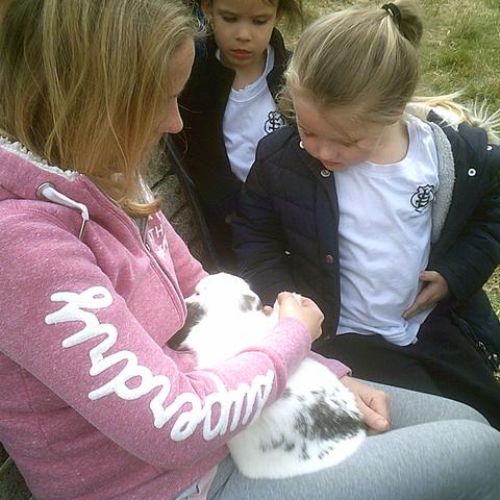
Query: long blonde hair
point(83, 83)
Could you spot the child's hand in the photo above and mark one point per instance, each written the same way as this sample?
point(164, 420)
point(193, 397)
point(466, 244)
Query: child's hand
point(435, 289)
point(306, 311)
point(372, 403)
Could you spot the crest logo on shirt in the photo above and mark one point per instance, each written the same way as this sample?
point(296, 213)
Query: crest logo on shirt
point(422, 197)
point(273, 122)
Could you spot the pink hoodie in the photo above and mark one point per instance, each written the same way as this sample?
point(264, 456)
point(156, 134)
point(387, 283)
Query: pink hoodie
point(93, 403)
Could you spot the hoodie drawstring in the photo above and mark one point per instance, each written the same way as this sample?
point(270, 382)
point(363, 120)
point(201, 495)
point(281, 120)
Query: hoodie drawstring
point(48, 191)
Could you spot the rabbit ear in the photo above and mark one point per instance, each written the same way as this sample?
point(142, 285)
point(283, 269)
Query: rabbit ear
point(250, 303)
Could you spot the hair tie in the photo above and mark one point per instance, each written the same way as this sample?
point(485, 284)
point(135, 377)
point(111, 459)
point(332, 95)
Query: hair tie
point(394, 12)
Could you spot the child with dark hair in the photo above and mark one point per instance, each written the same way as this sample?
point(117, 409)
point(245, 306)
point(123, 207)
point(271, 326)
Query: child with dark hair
point(229, 103)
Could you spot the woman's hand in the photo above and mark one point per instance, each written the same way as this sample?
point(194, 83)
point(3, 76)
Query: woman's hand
point(435, 289)
point(372, 403)
point(302, 309)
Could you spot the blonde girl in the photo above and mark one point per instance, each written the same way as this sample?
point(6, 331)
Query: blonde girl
point(229, 103)
point(387, 220)
point(93, 402)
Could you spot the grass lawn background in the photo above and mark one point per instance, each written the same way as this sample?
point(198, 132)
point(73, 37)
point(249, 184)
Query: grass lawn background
point(460, 51)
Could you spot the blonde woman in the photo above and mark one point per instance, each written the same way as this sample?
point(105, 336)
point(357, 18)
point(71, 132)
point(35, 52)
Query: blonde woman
point(93, 402)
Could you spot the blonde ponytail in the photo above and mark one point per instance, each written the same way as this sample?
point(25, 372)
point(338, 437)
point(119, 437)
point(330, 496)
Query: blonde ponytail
point(360, 58)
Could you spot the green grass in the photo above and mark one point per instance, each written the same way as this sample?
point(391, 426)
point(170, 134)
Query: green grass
point(460, 52)
point(462, 48)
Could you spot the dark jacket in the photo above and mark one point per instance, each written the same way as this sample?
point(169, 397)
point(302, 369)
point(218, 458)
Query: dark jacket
point(286, 229)
point(201, 144)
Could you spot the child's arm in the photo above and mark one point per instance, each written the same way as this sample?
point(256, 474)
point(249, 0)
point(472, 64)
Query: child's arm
point(474, 256)
point(259, 240)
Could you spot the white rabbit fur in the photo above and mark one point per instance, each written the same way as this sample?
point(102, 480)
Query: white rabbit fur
point(314, 424)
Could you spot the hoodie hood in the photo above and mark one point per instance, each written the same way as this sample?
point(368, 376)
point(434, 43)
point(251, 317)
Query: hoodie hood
point(25, 176)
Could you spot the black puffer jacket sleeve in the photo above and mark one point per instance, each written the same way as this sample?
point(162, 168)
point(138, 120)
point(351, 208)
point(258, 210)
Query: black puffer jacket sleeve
point(470, 248)
point(259, 241)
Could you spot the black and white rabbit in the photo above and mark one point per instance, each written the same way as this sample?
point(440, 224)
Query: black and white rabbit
point(314, 424)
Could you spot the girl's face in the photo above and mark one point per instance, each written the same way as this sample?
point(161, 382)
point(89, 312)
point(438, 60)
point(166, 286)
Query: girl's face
point(332, 138)
point(242, 29)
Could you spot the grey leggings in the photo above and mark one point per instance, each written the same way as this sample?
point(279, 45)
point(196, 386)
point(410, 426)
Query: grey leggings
point(437, 449)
